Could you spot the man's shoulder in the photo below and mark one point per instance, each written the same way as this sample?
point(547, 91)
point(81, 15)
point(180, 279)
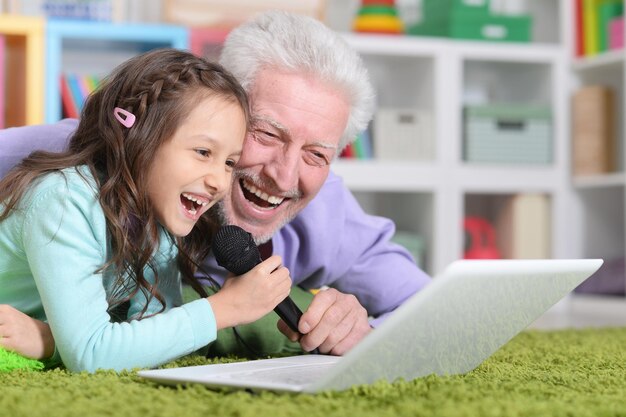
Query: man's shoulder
point(17, 143)
point(328, 205)
point(51, 137)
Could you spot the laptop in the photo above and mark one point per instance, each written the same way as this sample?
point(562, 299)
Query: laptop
point(450, 327)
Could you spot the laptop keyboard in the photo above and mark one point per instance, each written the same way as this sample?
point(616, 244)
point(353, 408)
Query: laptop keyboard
point(295, 374)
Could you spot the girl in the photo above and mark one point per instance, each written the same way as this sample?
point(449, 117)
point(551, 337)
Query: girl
point(96, 239)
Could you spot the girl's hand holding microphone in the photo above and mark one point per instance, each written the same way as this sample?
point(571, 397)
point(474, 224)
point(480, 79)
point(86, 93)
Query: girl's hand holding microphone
point(246, 298)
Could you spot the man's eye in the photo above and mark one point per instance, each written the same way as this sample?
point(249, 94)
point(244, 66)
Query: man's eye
point(317, 159)
point(264, 134)
point(203, 152)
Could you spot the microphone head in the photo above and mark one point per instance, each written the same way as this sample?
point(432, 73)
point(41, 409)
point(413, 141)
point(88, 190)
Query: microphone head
point(234, 250)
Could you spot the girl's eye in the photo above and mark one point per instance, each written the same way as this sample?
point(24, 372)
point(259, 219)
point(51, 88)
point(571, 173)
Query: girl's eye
point(231, 163)
point(203, 152)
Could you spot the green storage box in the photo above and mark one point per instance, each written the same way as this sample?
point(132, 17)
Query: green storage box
point(436, 8)
point(508, 134)
point(488, 28)
point(414, 243)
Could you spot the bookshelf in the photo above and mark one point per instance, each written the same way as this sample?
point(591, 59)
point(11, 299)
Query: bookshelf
point(431, 198)
point(24, 67)
point(600, 198)
point(105, 44)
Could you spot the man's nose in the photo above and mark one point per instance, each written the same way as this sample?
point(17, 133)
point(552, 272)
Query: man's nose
point(284, 169)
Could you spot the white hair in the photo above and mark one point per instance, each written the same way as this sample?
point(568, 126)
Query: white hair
point(296, 43)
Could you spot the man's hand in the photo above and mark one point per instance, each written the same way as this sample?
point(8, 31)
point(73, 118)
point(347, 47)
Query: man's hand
point(334, 323)
point(25, 335)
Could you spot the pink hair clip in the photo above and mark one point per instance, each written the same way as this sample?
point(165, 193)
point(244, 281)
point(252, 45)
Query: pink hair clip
point(124, 117)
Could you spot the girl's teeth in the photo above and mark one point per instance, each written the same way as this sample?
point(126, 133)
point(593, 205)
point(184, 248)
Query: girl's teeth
point(195, 200)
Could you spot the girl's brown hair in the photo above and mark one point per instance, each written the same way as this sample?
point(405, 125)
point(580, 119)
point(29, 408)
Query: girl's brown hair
point(160, 88)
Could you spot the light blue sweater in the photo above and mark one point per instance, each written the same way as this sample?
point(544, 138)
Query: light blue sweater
point(50, 250)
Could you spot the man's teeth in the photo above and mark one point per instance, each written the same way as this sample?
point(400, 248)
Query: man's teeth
point(195, 200)
point(263, 196)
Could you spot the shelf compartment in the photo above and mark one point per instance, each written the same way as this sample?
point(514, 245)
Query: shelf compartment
point(412, 213)
point(603, 222)
point(106, 44)
point(603, 228)
point(521, 224)
point(507, 82)
point(24, 52)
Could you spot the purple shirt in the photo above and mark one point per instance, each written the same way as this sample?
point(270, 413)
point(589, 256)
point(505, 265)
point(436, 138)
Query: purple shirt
point(332, 242)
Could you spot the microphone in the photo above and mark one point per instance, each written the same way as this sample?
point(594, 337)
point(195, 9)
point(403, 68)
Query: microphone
point(234, 250)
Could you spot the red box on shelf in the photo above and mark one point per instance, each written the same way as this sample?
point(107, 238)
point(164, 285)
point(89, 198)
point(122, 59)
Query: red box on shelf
point(207, 42)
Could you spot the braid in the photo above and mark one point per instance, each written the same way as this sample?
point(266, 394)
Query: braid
point(160, 88)
point(160, 95)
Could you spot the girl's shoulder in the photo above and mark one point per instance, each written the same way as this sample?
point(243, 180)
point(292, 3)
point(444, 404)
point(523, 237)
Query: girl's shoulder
point(75, 183)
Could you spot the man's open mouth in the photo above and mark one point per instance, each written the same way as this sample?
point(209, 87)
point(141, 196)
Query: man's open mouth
point(258, 197)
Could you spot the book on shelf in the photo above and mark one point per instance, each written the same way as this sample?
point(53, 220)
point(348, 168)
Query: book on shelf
point(592, 25)
point(95, 10)
point(523, 227)
point(67, 99)
point(606, 14)
point(616, 30)
point(74, 91)
point(361, 148)
point(593, 130)
point(2, 81)
point(363, 144)
point(348, 152)
point(579, 39)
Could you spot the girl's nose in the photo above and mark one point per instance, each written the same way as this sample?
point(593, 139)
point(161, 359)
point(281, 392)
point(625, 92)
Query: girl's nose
point(217, 180)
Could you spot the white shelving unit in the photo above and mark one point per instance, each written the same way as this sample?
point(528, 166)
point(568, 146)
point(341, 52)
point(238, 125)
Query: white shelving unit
point(432, 198)
point(600, 200)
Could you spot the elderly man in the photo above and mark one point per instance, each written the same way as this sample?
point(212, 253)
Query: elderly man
point(310, 96)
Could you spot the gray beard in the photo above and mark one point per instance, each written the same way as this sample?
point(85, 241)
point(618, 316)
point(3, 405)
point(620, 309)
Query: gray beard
point(224, 219)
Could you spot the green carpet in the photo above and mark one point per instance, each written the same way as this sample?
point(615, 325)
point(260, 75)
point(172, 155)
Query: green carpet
point(566, 373)
point(10, 361)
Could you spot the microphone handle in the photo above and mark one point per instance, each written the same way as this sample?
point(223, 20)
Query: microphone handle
point(289, 312)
